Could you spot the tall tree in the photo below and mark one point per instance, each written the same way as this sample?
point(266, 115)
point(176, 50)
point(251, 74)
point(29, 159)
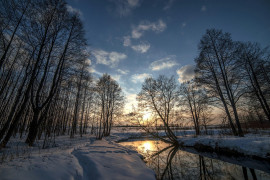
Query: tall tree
point(194, 100)
point(251, 59)
point(40, 64)
point(110, 100)
point(216, 69)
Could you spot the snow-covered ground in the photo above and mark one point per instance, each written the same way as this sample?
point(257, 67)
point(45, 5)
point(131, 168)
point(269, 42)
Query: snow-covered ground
point(256, 143)
point(85, 158)
point(251, 144)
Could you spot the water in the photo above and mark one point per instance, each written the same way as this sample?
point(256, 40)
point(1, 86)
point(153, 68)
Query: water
point(170, 162)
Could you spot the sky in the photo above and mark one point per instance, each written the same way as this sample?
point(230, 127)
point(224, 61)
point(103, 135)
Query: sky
point(135, 39)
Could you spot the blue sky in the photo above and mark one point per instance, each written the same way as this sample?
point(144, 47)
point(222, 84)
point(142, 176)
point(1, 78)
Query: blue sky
point(134, 39)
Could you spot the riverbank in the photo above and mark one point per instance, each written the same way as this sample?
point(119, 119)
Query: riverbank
point(83, 159)
point(252, 145)
point(255, 144)
point(87, 158)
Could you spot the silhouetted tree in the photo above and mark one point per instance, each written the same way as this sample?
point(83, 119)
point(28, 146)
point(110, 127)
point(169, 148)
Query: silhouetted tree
point(110, 100)
point(217, 71)
point(42, 48)
point(194, 101)
point(251, 59)
point(159, 96)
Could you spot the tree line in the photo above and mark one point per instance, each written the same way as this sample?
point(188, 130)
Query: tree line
point(229, 75)
point(46, 88)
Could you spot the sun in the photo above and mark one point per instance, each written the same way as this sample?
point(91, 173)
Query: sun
point(146, 116)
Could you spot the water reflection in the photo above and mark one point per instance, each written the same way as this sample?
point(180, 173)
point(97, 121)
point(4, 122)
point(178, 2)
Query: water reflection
point(147, 146)
point(169, 162)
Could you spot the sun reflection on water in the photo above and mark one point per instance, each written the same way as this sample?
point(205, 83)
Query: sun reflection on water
point(147, 146)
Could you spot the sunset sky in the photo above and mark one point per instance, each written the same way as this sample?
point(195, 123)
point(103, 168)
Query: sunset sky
point(134, 39)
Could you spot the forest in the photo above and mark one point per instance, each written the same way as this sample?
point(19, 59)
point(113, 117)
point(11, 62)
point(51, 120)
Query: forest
point(46, 88)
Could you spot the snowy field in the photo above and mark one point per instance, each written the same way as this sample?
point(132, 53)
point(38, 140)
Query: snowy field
point(86, 158)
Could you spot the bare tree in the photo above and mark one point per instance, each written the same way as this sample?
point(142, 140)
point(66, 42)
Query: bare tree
point(42, 45)
point(251, 59)
point(218, 72)
point(194, 101)
point(13, 13)
point(159, 96)
point(110, 100)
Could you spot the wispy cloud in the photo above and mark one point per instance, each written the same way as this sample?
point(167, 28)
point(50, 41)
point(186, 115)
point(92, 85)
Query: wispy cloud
point(125, 7)
point(73, 10)
point(127, 41)
point(139, 77)
point(164, 63)
point(186, 73)
point(168, 5)
point(116, 77)
point(203, 8)
point(92, 69)
point(108, 58)
point(141, 48)
point(122, 71)
point(139, 30)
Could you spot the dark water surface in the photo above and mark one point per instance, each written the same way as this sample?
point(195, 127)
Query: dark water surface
point(170, 162)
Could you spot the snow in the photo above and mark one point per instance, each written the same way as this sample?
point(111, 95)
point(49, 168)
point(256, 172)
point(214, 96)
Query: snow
point(255, 143)
point(88, 159)
point(251, 144)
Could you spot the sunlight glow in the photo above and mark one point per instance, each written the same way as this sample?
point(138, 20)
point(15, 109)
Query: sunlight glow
point(146, 116)
point(147, 146)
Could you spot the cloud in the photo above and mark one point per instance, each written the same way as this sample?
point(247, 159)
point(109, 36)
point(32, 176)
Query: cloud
point(163, 63)
point(73, 10)
point(89, 67)
point(116, 77)
point(139, 77)
point(92, 69)
point(108, 58)
point(125, 7)
point(139, 30)
point(130, 101)
point(203, 8)
point(88, 62)
point(168, 5)
point(122, 71)
point(127, 41)
point(186, 73)
point(136, 34)
point(141, 48)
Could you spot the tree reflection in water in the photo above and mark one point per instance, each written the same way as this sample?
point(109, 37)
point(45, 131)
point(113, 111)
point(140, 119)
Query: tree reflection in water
point(169, 162)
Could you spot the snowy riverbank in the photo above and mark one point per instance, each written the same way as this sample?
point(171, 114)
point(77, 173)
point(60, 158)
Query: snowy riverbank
point(251, 145)
point(254, 144)
point(89, 159)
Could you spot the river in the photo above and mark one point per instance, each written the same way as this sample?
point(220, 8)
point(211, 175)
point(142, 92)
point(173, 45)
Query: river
point(171, 162)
